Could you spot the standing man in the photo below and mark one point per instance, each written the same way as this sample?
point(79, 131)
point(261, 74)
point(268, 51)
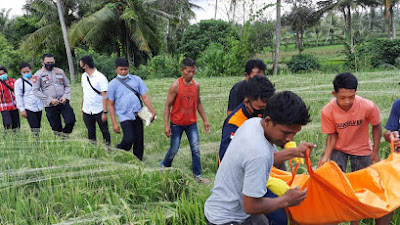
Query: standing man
point(8, 105)
point(393, 125)
point(254, 67)
point(28, 104)
point(94, 103)
point(346, 120)
point(51, 86)
point(240, 184)
point(124, 93)
point(184, 98)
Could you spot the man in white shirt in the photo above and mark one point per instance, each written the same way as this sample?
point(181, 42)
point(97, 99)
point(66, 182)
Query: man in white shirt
point(94, 106)
point(28, 104)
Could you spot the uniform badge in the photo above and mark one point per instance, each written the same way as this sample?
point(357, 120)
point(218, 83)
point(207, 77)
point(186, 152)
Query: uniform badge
point(34, 79)
point(60, 80)
point(46, 82)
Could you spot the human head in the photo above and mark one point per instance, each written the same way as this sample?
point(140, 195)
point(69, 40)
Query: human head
point(188, 69)
point(86, 61)
point(254, 67)
point(3, 73)
point(122, 67)
point(345, 87)
point(257, 92)
point(48, 61)
point(25, 69)
point(283, 117)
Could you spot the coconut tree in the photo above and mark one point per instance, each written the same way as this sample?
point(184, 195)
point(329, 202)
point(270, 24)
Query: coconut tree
point(132, 25)
point(389, 13)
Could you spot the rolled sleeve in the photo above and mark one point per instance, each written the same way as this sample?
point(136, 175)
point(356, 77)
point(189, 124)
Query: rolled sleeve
point(393, 122)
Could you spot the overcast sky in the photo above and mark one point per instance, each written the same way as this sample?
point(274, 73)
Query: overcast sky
point(207, 11)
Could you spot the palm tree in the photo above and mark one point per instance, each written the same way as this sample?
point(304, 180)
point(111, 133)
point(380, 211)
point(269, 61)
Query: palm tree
point(345, 7)
point(132, 24)
point(389, 12)
point(278, 30)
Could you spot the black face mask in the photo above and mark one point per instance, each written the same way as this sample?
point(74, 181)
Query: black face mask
point(81, 70)
point(256, 112)
point(49, 66)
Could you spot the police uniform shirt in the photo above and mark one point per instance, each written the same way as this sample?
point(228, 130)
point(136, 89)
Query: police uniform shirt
point(49, 85)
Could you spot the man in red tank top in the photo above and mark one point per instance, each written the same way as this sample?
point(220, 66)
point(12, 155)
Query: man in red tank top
point(184, 98)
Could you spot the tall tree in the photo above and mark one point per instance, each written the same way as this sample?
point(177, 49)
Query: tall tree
point(278, 29)
point(66, 43)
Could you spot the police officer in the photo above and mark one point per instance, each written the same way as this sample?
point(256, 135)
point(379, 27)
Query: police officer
point(52, 87)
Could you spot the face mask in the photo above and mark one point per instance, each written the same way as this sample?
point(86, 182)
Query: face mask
point(81, 70)
point(49, 66)
point(27, 75)
point(4, 77)
point(257, 112)
point(122, 76)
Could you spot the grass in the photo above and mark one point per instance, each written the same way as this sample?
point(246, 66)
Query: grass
point(49, 180)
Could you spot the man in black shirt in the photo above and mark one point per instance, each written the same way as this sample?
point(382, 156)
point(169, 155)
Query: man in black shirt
point(253, 68)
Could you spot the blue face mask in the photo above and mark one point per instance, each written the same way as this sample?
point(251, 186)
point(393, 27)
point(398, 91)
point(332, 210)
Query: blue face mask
point(27, 75)
point(4, 77)
point(121, 76)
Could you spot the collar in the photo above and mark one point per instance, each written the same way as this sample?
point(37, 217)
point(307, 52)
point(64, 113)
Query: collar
point(244, 109)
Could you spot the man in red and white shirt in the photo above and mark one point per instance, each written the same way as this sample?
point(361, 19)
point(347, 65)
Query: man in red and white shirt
point(8, 105)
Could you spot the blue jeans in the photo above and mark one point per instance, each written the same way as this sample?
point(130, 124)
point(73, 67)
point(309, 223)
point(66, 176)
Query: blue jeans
point(193, 137)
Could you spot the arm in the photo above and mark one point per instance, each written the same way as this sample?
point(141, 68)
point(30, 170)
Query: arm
point(330, 144)
point(67, 89)
point(286, 154)
point(376, 138)
point(173, 89)
point(232, 100)
point(147, 102)
point(111, 108)
point(36, 90)
point(201, 111)
point(292, 197)
point(105, 111)
point(19, 97)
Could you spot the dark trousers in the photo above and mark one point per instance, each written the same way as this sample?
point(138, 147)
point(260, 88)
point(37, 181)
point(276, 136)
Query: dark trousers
point(34, 120)
point(90, 122)
point(53, 114)
point(133, 135)
point(257, 219)
point(10, 119)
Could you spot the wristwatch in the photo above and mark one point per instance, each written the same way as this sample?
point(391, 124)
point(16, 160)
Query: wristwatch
point(105, 112)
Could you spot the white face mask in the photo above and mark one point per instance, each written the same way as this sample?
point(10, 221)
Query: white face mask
point(122, 76)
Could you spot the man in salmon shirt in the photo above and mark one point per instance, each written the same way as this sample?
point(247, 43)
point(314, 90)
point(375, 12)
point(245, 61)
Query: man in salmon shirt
point(346, 120)
point(184, 98)
point(8, 105)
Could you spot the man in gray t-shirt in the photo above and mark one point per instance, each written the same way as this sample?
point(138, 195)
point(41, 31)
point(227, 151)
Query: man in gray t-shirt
point(240, 183)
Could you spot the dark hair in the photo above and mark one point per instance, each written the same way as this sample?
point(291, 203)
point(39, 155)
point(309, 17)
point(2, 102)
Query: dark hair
point(88, 60)
point(48, 55)
point(255, 63)
point(123, 62)
point(23, 65)
point(3, 68)
point(259, 87)
point(287, 108)
point(188, 63)
point(346, 81)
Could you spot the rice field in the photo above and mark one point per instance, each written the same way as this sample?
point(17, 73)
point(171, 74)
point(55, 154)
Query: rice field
point(51, 180)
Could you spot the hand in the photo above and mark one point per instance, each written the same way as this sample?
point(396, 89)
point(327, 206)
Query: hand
point(54, 102)
point(395, 137)
point(302, 148)
point(104, 117)
point(153, 117)
point(375, 158)
point(206, 127)
point(167, 131)
point(116, 128)
point(24, 114)
point(295, 196)
point(323, 160)
point(63, 100)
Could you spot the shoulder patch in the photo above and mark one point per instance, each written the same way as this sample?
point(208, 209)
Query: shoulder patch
point(238, 118)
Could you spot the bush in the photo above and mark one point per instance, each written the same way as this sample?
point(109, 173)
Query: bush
point(303, 62)
point(10, 58)
point(198, 37)
point(160, 66)
point(261, 36)
point(220, 60)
